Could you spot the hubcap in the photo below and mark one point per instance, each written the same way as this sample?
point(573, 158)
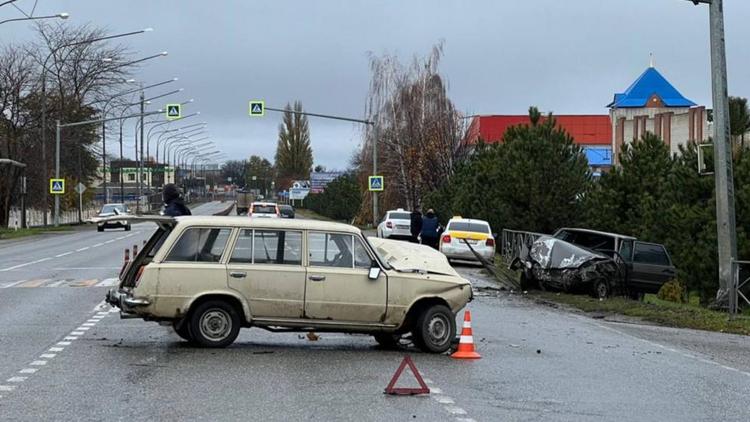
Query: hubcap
point(439, 330)
point(215, 325)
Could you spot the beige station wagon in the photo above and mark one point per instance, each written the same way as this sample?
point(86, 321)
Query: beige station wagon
point(209, 276)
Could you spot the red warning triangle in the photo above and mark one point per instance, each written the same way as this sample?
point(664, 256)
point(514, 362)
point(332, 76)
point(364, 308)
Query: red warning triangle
point(391, 389)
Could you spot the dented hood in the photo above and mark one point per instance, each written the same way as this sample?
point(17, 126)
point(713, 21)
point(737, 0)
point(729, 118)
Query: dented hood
point(411, 257)
point(553, 253)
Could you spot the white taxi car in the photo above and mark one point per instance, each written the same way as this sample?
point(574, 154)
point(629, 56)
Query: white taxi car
point(395, 224)
point(460, 231)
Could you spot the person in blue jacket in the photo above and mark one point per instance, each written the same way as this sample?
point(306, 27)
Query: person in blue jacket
point(173, 204)
point(430, 233)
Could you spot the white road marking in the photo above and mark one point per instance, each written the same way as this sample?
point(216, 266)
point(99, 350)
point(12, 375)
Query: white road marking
point(77, 333)
point(109, 281)
point(465, 420)
point(7, 387)
point(85, 268)
point(63, 254)
point(56, 349)
point(70, 338)
point(83, 328)
point(109, 241)
point(23, 265)
point(82, 249)
point(57, 283)
point(445, 400)
point(13, 284)
point(455, 410)
point(38, 363)
point(120, 238)
point(16, 379)
point(661, 346)
point(92, 320)
point(63, 343)
point(47, 355)
point(88, 324)
point(97, 245)
point(27, 370)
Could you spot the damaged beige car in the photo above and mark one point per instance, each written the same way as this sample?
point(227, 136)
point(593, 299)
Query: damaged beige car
point(210, 276)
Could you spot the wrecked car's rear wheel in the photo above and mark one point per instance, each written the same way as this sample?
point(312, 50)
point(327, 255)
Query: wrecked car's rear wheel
point(182, 328)
point(214, 324)
point(434, 330)
point(387, 341)
point(601, 289)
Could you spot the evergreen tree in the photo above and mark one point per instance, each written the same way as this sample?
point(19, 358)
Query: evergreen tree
point(293, 152)
point(739, 119)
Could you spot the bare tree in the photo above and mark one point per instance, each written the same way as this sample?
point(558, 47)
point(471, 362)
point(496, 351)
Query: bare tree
point(419, 132)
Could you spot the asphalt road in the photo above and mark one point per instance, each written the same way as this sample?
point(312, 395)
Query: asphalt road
point(64, 357)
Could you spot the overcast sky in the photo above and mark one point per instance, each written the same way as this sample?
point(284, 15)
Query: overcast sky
point(501, 56)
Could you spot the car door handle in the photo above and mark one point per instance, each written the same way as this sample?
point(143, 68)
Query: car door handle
point(238, 274)
point(668, 271)
point(317, 278)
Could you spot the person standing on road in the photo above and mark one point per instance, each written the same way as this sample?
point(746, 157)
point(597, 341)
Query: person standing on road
point(173, 204)
point(416, 224)
point(430, 229)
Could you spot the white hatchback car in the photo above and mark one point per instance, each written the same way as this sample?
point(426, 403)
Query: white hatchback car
point(395, 224)
point(460, 231)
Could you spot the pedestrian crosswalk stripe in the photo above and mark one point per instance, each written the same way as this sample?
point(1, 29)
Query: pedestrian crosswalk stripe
point(66, 282)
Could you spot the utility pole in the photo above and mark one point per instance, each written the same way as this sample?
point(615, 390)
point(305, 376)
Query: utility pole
point(374, 173)
point(57, 170)
point(725, 219)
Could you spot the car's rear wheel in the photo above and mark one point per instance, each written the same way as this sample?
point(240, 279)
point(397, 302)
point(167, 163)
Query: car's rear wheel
point(127, 228)
point(182, 328)
point(214, 323)
point(434, 330)
point(387, 341)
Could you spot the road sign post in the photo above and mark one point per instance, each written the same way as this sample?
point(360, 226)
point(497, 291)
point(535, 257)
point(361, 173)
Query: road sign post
point(257, 108)
point(81, 188)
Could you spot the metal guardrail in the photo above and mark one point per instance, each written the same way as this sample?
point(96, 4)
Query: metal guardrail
point(741, 281)
point(512, 242)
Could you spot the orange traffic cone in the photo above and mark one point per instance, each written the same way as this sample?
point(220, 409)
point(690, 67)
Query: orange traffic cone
point(466, 344)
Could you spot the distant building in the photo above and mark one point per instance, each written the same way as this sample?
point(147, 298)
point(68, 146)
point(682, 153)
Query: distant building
point(592, 132)
point(652, 104)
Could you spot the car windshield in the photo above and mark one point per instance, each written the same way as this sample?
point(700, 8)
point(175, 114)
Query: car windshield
point(264, 209)
point(111, 209)
point(462, 226)
point(399, 216)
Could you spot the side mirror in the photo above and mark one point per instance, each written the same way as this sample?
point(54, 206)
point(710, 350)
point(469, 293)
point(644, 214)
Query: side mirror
point(374, 273)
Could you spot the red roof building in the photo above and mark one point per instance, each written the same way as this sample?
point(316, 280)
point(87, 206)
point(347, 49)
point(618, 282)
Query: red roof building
point(585, 129)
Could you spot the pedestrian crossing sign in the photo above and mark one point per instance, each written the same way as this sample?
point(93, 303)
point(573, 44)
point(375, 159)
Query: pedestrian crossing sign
point(375, 183)
point(174, 111)
point(57, 186)
point(257, 108)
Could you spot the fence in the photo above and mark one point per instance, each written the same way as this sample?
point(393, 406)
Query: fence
point(513, 241)
point(35, 218)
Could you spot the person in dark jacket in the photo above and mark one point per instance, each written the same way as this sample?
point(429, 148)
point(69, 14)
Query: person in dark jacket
point(430, 229)
point(173, 204)
point(416, 224)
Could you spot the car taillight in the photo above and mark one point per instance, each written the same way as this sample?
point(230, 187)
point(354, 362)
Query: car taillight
point(389, 224)
point(138, 276)
point(490, 242)
point(447, 238)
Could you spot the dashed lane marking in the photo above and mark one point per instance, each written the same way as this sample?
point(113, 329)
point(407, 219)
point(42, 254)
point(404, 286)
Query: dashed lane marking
point(25, 264)
point(63, 254)
point(59, 347)
point(82, 249)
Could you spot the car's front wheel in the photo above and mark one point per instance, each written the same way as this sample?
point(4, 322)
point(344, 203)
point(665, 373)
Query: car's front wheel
point(100, 228)
point(214, 323)
point(127, 228)
point(434, 330)
point(601, 289)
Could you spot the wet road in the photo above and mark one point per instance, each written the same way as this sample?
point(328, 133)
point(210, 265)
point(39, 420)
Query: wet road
point(64, 358)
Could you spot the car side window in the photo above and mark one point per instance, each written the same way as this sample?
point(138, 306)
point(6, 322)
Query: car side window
point(277, 247)
point(330, 250)
point(361, 258)
point(243, 248)
point(650, 254)
point(626, 250)
point(199, 245)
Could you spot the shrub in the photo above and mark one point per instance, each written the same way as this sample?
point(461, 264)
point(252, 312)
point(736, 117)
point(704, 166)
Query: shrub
point(672, 291)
